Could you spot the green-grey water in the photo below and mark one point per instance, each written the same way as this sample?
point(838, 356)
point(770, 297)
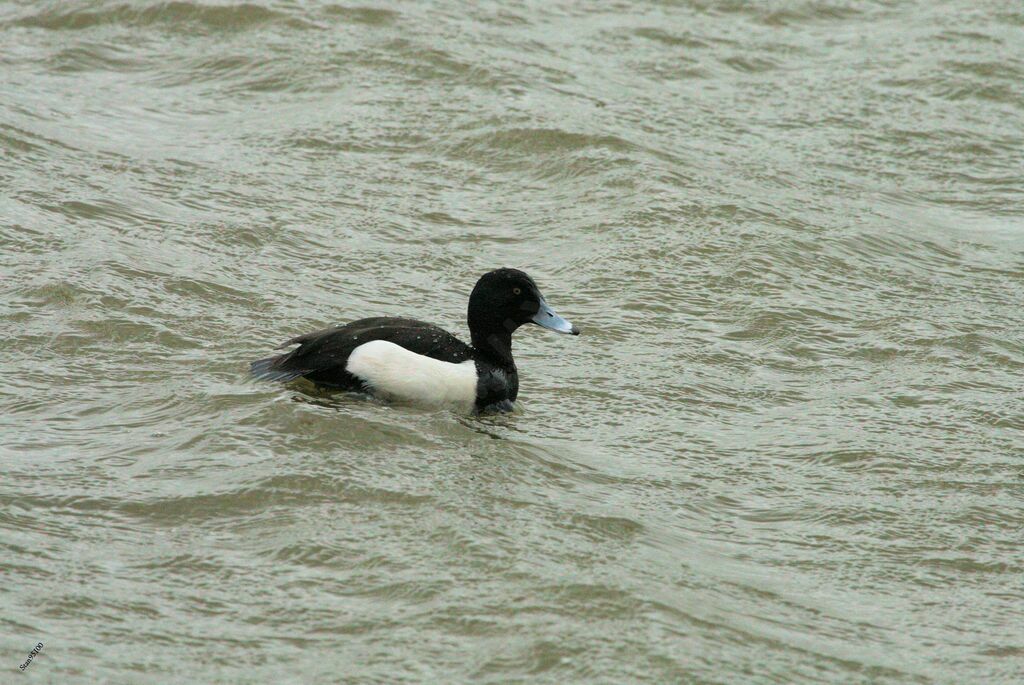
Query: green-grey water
point(787, 447)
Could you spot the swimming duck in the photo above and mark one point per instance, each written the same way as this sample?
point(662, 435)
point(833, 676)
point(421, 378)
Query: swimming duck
point(412, 361)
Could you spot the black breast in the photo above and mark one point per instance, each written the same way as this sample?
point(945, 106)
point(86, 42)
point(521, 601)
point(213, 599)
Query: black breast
point(496, 387)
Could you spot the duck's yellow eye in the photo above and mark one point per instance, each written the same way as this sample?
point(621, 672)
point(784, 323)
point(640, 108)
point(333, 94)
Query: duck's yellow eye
point(516, 291)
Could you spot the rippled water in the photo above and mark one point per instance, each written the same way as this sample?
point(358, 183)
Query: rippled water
point(787, 448)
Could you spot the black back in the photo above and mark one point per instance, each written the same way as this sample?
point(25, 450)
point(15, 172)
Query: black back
point(321, 356)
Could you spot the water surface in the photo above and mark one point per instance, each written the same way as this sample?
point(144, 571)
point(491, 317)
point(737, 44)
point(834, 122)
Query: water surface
point(787, 447)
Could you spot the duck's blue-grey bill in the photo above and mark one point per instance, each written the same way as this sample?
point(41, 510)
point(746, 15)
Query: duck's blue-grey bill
point(547, 318)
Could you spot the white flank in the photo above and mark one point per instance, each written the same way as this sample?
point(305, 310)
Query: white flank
point(393, 372)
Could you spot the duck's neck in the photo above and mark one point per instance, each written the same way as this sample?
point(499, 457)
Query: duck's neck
point(494, 343)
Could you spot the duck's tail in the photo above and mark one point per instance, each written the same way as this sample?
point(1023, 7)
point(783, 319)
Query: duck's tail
point(269, 369)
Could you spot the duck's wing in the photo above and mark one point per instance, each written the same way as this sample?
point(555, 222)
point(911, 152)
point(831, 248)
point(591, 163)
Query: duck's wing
point(321, 356)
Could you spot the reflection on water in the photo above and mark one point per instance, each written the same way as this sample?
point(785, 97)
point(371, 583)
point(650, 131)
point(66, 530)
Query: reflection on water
point(787, 448)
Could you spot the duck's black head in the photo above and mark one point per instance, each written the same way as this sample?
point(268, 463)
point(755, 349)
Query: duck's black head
point(502, 301)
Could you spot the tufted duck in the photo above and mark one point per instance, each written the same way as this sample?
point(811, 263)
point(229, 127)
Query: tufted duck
point(413, 361)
